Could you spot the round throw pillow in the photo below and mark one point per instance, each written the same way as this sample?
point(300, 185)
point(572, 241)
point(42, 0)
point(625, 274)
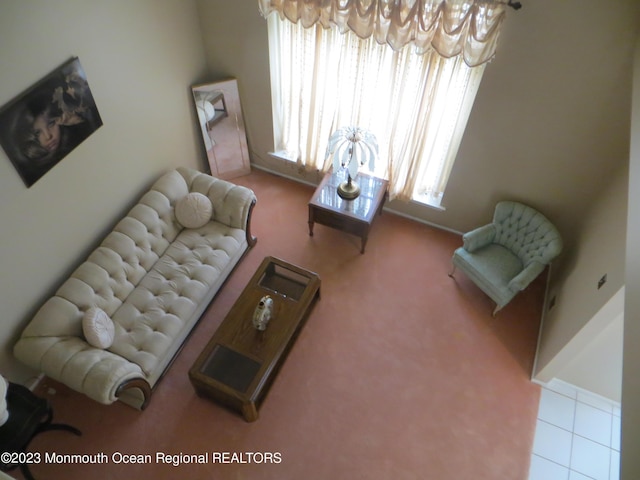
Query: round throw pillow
point(194, 210)
point(98, 328)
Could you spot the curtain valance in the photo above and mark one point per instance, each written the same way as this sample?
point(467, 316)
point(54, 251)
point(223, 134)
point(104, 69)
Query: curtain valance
point(452, 27)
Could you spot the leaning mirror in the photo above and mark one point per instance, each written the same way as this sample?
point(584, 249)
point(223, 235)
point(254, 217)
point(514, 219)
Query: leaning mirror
point(223, 134)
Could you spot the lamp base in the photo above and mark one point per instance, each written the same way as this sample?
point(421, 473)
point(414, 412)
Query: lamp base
point(348, 190)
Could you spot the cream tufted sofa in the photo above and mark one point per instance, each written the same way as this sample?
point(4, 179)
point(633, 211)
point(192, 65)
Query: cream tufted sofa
point(154, 278)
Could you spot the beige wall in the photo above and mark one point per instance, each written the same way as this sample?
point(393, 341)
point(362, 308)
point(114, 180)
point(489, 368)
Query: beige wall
point(572, 323)
point(548, 127)
point(594, 359)
point(630, 378)
point(140, 58)
point(235, 39)
point(589, 147)
point(598, 367)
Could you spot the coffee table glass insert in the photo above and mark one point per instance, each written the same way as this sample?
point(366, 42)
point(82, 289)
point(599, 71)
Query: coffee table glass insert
point(284, 281)
point(231, 368)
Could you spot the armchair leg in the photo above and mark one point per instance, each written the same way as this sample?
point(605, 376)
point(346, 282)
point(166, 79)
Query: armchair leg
point(495, 310)
point(453, 270)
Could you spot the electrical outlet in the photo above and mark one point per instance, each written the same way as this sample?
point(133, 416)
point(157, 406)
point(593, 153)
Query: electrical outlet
point(602, 281)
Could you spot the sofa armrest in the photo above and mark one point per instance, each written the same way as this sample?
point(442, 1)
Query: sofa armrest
point(136, 383)
point(526, 276)
point(479, 237)
point(251, 239)
point(232, 204)
point(70, 360)
point(234, 209)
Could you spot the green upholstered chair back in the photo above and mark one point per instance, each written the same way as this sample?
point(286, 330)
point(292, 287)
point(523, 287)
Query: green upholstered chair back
point(526, 232)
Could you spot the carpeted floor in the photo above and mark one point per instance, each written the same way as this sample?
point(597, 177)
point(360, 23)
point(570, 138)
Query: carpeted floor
point(400, 372)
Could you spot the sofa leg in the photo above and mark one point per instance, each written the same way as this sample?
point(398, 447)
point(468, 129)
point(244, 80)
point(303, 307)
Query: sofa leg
point(496, 310)
point(453, 270)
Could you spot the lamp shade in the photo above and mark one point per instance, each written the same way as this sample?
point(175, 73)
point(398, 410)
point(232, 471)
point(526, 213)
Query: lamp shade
point(352, 147)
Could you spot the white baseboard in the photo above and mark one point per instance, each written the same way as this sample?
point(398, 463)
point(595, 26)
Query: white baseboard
point(386, 209)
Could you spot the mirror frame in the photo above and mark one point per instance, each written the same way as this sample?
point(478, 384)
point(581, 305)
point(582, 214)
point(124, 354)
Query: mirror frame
point(221, 124)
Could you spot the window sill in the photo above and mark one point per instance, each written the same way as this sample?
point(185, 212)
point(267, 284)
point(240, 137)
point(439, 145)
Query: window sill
point(429, 201)
point(282, 155)
point(422, 200)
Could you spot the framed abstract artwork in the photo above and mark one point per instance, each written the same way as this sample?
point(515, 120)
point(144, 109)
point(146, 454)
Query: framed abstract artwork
point(46, 122)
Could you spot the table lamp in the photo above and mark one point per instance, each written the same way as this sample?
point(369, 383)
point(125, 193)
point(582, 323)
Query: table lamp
point(350, 148)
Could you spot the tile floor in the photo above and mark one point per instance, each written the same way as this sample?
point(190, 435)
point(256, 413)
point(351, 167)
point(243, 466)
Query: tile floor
point(577, 436)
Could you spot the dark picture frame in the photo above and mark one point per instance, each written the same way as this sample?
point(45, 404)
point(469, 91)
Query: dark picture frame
point(47, 121)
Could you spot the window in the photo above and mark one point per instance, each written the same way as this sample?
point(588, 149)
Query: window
point(416, 105)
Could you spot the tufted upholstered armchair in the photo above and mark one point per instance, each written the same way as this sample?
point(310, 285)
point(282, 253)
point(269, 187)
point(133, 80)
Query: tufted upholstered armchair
point(505, 256)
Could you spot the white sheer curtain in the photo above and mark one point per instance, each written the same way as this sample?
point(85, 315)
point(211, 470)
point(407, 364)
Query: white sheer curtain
point(415, 102)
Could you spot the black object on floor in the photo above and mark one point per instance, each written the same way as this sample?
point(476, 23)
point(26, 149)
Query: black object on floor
point(29, 416)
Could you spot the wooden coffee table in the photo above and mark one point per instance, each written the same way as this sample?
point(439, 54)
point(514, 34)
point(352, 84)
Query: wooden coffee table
point(239, 364)
point(352, 216)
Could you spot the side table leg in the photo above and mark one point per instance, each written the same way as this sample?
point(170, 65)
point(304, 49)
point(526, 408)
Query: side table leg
point(384, 199)
point(311, 221)
point(363, 244)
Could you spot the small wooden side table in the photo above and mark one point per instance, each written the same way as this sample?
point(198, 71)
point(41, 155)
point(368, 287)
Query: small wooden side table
point(351, 216)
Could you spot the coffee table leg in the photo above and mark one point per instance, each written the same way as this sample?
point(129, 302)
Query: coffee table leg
point(250, 412)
